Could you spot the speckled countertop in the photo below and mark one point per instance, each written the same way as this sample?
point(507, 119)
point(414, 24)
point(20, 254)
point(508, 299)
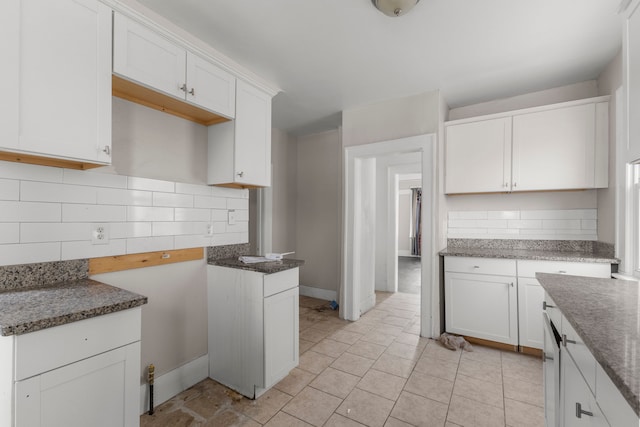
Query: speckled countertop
point(32, 309)
point(606, 315)
point(262, 267)
point(532, 254)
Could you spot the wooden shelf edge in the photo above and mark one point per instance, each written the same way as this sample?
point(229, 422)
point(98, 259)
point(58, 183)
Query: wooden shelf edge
point(46, 161)
point(238, 186)
point(110, 264)
point(125, 89)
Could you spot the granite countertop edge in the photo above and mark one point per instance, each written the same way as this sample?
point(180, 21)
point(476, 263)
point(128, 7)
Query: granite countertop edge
point(526, 254)
point(269, 267)
point(39, 316)
point(632, 397)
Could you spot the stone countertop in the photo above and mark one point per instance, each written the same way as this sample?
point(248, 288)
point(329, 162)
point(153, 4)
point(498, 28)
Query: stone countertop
point(530, 254)
point(32, 309)
point(606, 315)
point(262, 267)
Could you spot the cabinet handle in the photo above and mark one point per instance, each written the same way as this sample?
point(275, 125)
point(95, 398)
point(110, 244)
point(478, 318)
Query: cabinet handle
point(562, 272)
point(545, 357)
point(515, 184)
point(107, 150)
point(476, 266)
point(193, 91)
point(566, 341)
point(545, 305)
point(511, 284)
point(240, 174)
point(506, 184)
point(580, 412)
point(183, 87)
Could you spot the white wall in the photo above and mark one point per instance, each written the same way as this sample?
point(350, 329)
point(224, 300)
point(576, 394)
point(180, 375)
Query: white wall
point(319, 209)
point(404, 219)
point(284, 156)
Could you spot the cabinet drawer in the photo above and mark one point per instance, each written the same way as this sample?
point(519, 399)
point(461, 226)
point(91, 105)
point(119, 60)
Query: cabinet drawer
point(279, 282)
point(530, 268)
point(580, 353)
point(47, 349)
point(493, 266)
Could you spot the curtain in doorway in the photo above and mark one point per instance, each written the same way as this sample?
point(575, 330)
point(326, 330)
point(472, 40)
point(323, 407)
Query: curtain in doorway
point(416, 226)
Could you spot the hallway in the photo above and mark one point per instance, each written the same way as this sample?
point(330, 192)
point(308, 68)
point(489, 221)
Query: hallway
point(409, 271)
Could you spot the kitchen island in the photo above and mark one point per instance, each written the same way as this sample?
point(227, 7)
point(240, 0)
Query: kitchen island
point(601, 318)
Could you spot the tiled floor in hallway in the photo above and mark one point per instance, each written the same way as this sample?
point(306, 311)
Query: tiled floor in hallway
point(374, 372)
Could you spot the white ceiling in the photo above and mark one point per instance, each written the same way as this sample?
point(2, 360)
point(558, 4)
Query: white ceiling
point(332, 55)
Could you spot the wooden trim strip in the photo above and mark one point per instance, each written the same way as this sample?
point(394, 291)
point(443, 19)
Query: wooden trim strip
point(109, 264)
point(492, 344)
point(46, 161)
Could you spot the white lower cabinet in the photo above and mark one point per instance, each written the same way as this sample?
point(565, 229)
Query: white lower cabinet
point(579, 407)
point(530, 297)
point(481, 305)
point(85, 373)
point(253, 327)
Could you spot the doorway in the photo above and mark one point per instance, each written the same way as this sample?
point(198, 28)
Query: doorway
point(408, 239)
point(361, 224)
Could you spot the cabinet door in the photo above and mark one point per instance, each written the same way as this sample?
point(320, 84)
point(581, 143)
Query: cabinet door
point(554, 149)
point(144, 56)
point(252, 136)
point(478, 157)
point(210, 87)
point(9, 73)
point(103, 390)
point(530, 326)
point(64, 87)
point(632, 82)
point(576, 392)
point(482, 306)
point(281, 335)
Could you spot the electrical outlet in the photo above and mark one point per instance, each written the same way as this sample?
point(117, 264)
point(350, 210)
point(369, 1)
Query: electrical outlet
point(99, 234)
point(231, 217)
point(209, 230)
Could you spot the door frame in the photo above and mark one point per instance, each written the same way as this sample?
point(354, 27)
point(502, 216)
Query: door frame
point(350, 294)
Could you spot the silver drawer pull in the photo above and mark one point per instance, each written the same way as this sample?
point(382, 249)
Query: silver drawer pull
point(545, 357)
point(580, 412)
point(566, 341)
point(545, 305)
point(476, 266)
point(562, 272)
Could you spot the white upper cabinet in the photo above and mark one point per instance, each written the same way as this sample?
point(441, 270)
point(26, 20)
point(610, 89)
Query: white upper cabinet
point(240, 150)
point(557, 147)
point(56, 81)
point(146, 57)
point(482, 149)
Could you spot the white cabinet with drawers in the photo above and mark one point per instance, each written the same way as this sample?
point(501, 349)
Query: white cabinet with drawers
point(253, 327)
point(92, 379)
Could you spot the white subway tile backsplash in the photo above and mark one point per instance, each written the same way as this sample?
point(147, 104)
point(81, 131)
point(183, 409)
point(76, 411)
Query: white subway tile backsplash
point(116, 196)
point(145, 213)
point(525, 223)
point(219, 215)
point(195, 189)
point(237, 203)
point(94, 179)
point(93, 213)
point(210, 202)
point(149, 244)
point(468, 215)
point(25, 172)
point(238, 227)
point(9, 232)
point(9, 189)
point(192, 241)
point(503, 215)
point(219, 227)
point(123, 230)
point(242, 215)
point(29, 212)
point(29, 253)
point(33, 191)
point(192, 214)
point(134, 183)
point(173, 200)
point(462, 223)
point(229, 192)
point(491, 223)
point(229, 239)
point(84, 249)
point(54, 232)
point(561, 224)
point(589, 224)
point(179, 228)
point(560, 214)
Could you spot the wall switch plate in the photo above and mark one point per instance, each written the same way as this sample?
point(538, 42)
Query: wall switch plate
point(231, 217)
point(99, 234)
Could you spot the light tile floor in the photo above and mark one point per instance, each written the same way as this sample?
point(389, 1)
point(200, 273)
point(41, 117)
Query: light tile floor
point(374, 372)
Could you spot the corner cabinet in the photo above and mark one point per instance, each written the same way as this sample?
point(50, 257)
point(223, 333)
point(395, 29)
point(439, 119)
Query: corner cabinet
point(253, 327)
point(240, 150)
point(55, 82)
point(506, 152)
point(85, 373)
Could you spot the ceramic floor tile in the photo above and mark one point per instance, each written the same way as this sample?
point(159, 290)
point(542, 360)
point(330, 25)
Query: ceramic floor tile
point(171, 419)
point(419, 411)
point(437, 367)
point(383, 384)
point(314, 335)
point(394, 365)
point(529, 370)
point(523, 391)
point(405, 351)
point(430, 387)
point(353, 364)
point(265, 407)
point(337, 420)
point(366, 408)
point(330, 348)
point(377, 337)
point(483, 371)
point(394, 422)
point(335, 382)
point(436, 350)
point(314, 362)
point(467, 412)
point(312, 406)
point(362, 326)
point(394, 331)
point(305, 345)
point(396, 321)
point(345, 336)
point(412, 339)
point(229, 418)
point(519, 414)
point(283, 419)
point(485, 355)
point(479, 390)
point(293, 383)
point(367, 349)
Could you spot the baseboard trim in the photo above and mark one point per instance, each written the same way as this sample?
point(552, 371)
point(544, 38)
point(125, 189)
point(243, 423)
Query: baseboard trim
point(324, 294)
point(173, 382)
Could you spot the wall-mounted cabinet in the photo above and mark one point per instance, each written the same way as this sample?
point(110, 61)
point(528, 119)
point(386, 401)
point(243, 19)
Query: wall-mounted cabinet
point(240, 150)
point(147, 58)
point(55, 81)
point(558, 147)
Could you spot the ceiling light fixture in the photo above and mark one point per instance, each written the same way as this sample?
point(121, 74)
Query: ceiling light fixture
point(394, 7)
